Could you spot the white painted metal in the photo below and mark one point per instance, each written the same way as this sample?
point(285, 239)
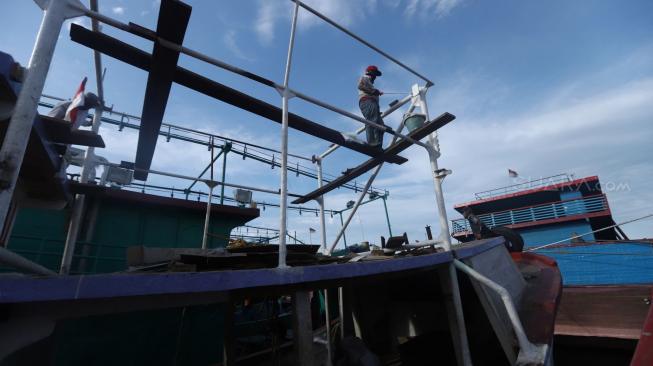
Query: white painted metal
point(207, 217)
point(320, 201)
point(283, 204)
point(529, 354)
point(88, 166)
point(434, 153)
point(20, 125)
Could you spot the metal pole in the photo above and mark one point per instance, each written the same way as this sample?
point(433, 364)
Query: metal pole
point(434, 154)
point(20, 125)
point(207, 218)
point(283, 204)
point(320, 201)
point(342, 225)
point(387, 217)
point(88, 166)
point(353, 210)
point(224, 172)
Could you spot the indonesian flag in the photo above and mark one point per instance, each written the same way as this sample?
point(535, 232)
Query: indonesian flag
point(512, 173)
point(78, 100)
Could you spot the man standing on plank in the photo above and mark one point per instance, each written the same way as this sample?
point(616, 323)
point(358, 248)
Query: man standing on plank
point(369, 104)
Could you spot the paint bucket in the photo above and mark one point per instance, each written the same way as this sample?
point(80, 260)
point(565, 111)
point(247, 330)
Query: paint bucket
point(414, 121)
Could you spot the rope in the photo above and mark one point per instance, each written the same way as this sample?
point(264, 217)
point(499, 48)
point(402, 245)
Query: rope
point(591, 232)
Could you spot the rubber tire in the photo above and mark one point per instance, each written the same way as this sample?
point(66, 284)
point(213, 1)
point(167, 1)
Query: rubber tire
point(514, 241)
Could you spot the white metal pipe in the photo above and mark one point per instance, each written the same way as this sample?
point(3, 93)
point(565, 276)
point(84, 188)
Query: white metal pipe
point(20, 124)
point(320, 201)
point(283, 204)
point(207, 218)
point(434, 153)
point(14, 260)
point(463, 342)
point(524, 344)
point(359, 39)
point(387, 112)
point(353, 210)
point(89, 162)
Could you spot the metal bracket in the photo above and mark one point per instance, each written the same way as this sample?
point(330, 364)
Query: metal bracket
point(441, 173)
point(284, 92)
point(211, 183)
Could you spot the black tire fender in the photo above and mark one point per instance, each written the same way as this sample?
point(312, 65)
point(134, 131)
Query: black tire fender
point(514, 241)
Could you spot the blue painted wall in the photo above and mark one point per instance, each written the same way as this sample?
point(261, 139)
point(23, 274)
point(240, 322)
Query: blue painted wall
point(552, 233)
point(604, 264)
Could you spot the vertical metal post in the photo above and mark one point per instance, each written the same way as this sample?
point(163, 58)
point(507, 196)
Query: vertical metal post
point(320, 200)
point(387, 217)
point(225, 149)
point(207, 218)
point(434, 154)
point(87, 167)
point(342, 224)
point(20, 125)
point(283, 204)
point(449, 277)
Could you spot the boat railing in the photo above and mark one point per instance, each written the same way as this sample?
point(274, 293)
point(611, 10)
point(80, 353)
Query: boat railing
point(548, 211)
point(536, 183)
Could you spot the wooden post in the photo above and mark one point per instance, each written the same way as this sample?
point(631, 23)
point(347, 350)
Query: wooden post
point(302, 328)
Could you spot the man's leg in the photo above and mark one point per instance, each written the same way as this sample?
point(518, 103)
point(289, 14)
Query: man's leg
point(370, 110)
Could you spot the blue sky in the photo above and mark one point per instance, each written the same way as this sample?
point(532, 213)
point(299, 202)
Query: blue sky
point(539, 87)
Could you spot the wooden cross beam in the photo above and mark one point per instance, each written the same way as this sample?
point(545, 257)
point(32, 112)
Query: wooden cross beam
point(143, 60)
point(394, 149)
point(173, 21)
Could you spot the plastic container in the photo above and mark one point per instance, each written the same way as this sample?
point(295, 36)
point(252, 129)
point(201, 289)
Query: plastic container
point(414, 121)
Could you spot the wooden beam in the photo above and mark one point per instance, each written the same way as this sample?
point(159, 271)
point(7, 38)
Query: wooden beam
point(173, 21)
point(394, 149)
point(143, 60)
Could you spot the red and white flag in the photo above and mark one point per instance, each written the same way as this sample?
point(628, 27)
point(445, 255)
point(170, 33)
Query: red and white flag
point(78, 100)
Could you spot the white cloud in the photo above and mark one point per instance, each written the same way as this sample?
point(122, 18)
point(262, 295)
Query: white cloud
point(118, 10)
point(230, 41)
point(439, 8)
point(344, 12)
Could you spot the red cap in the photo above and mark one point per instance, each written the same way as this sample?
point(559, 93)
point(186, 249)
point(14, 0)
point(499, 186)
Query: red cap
point(373, 70)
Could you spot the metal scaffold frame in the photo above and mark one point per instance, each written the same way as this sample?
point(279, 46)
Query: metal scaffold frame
point(55, 12)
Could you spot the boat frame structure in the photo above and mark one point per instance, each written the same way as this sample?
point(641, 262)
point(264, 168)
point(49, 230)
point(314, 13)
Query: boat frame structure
point(163, 71)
